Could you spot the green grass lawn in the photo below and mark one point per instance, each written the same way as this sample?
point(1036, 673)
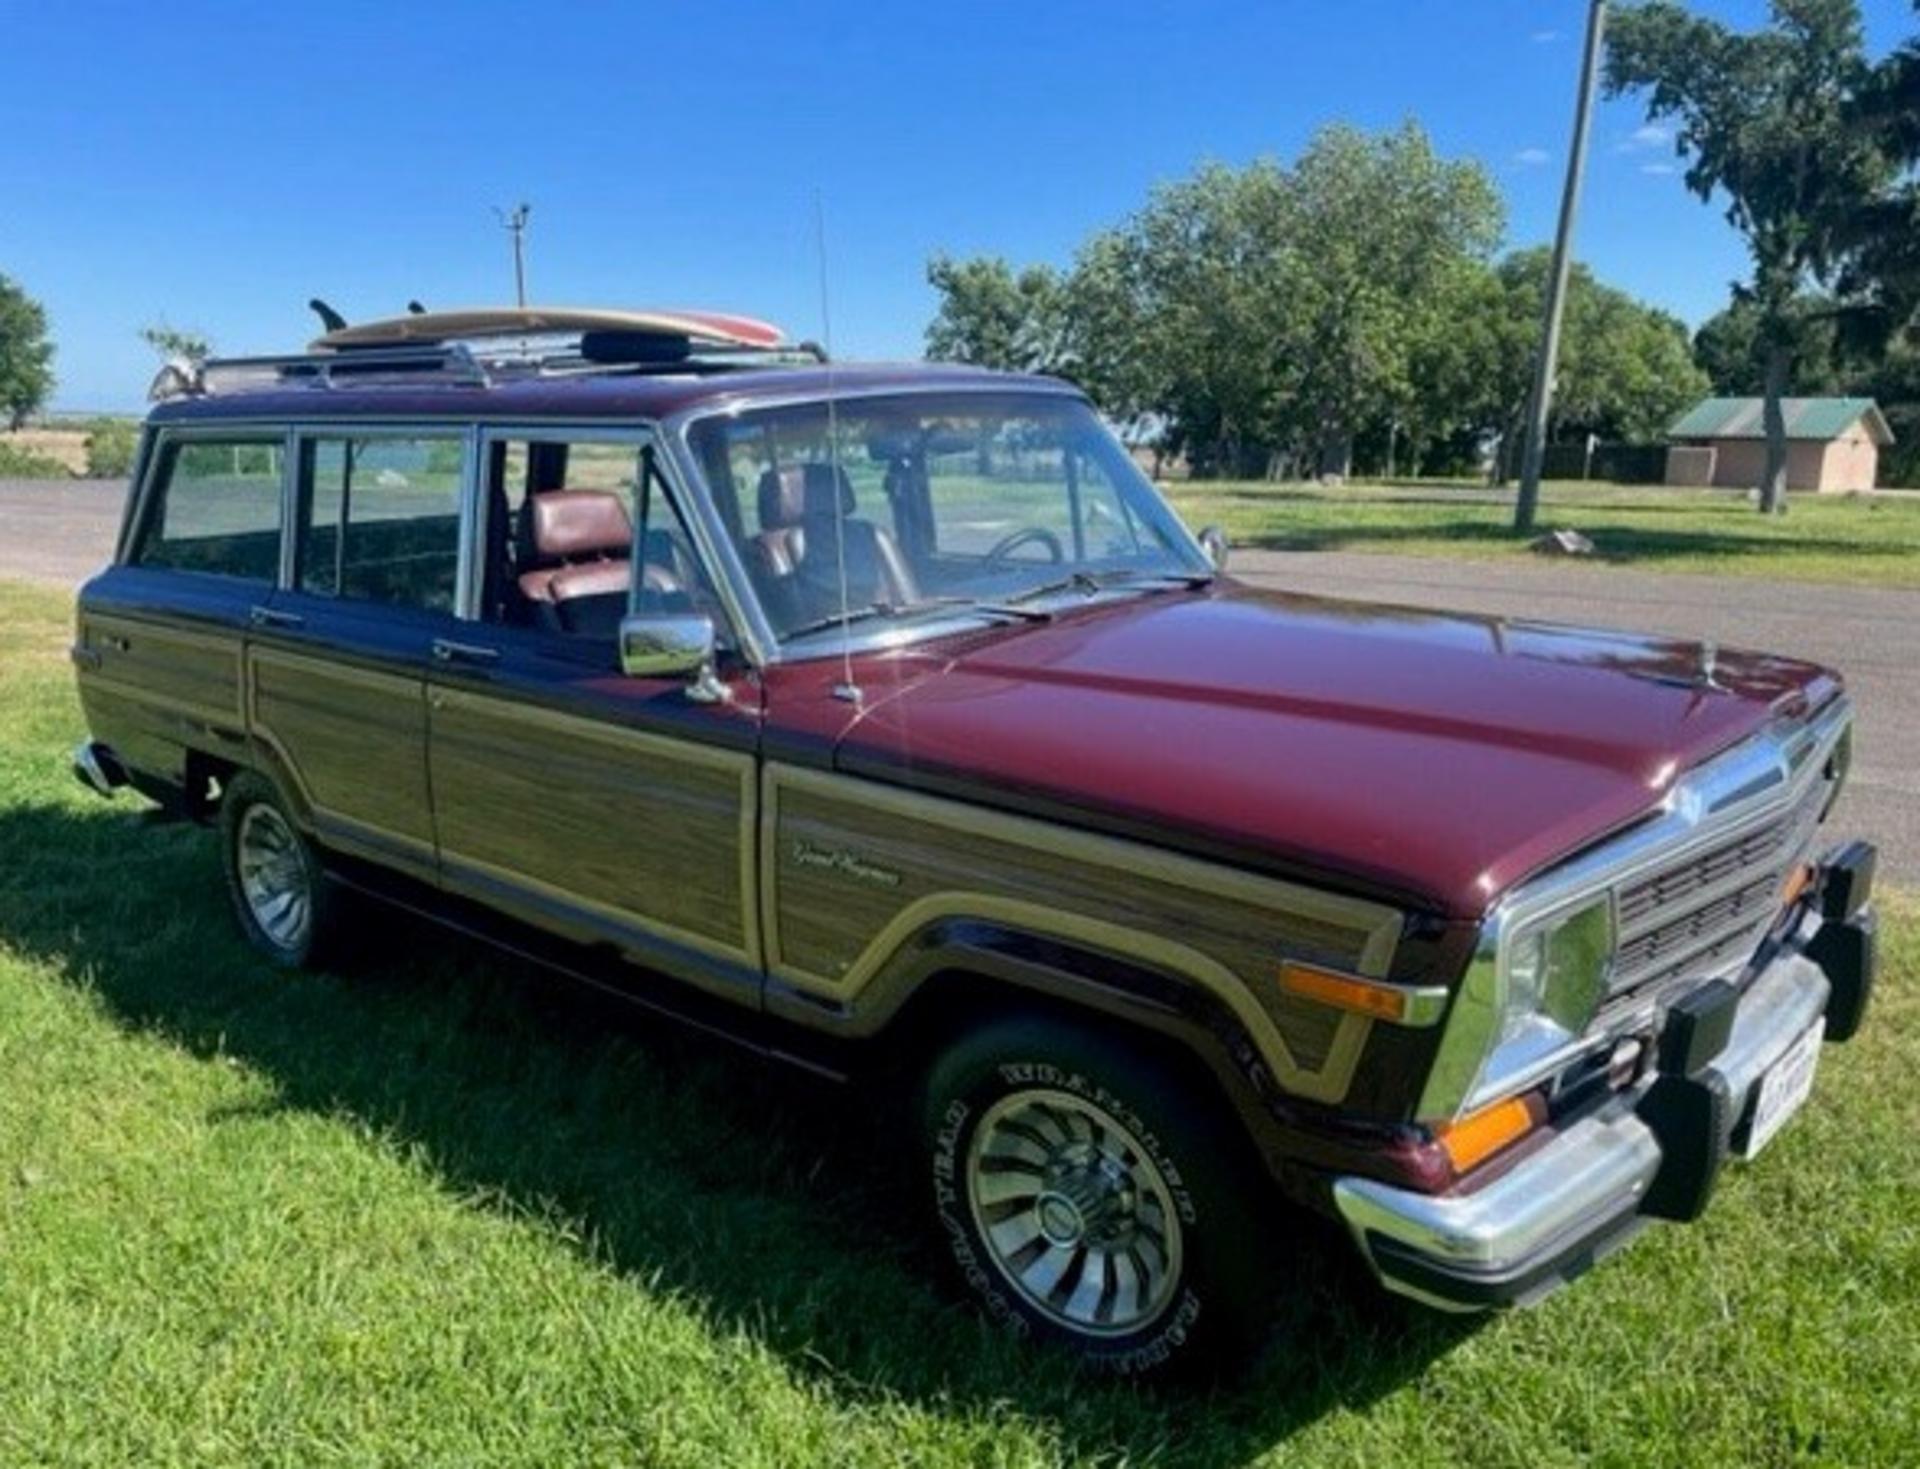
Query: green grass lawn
point(434, 1211)
point(1832, 538)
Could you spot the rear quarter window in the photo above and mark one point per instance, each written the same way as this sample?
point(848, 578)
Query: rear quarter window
point(215, 509)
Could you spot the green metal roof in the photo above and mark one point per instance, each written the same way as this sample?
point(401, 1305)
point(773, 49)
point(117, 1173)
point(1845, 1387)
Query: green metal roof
point(1820, 419)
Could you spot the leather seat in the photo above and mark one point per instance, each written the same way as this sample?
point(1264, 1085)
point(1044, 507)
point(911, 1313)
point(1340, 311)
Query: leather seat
point(794, 553)
point(579, 543)
point(583, 534)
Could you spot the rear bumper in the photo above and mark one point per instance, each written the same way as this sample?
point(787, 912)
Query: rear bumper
point(1654, 1151)
point(98, 768)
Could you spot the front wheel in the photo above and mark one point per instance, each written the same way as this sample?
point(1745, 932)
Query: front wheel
point(1090, 1196)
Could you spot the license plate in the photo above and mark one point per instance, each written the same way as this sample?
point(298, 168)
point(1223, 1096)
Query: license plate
point(1782, 1089)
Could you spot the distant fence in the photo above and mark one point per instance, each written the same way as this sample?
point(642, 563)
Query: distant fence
point(1626, 464)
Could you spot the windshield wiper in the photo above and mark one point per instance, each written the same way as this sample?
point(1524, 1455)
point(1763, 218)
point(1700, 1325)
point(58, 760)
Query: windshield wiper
point(1091, 583)
point(901, 609)
point(841, 619)
point(1082, 581)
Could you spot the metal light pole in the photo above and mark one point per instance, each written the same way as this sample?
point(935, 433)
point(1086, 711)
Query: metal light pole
point(1527, 507)
point(516, 225)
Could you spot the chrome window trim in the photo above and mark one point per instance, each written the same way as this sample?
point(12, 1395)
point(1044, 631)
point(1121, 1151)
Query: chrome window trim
point(676, 429)
point(1755, 780)
point(302, 432)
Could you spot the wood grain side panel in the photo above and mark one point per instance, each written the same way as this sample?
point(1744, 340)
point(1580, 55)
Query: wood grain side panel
point(651, 829)
point(190, 674)
point(850, 862)
point(355, 739)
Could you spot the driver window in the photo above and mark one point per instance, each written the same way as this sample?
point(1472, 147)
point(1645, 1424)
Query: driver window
point(559, 539)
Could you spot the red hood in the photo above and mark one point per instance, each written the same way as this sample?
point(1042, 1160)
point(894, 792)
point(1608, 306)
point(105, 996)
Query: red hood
point(1441, 757)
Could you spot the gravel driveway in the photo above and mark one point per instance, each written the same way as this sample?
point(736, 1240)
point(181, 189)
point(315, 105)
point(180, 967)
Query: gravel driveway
point(58, 532)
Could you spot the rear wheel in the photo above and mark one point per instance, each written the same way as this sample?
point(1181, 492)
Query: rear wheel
point(1090, 1196)
point(285, 904)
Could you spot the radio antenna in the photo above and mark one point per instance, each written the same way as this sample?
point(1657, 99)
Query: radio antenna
point(846, 689)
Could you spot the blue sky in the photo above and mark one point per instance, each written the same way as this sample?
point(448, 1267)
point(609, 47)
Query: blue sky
point(215, 165)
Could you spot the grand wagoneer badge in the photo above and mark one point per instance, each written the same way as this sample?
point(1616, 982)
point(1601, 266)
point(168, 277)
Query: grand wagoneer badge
point(838, 859)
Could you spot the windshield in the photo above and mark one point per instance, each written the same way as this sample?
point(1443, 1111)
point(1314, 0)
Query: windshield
point(935, 503)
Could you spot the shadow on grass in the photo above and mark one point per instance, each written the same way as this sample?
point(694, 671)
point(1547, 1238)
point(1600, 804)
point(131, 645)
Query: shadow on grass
point(768, 1201)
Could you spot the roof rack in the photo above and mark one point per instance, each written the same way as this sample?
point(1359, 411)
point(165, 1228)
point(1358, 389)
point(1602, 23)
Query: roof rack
point(452, 364)
point(369, 366)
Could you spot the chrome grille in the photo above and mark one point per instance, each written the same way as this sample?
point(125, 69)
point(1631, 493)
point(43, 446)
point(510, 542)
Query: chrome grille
point(1706, 912)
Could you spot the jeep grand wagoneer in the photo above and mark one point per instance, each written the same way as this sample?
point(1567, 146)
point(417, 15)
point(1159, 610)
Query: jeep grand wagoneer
point(888, 719)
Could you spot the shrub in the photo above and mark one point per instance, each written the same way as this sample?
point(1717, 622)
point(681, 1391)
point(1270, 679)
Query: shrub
point(110, 449)
point(18, 463)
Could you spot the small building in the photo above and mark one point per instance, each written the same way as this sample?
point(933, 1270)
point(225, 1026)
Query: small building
point(1833, 444)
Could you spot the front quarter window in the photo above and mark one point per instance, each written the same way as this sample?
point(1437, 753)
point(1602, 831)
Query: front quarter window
point(916, 504)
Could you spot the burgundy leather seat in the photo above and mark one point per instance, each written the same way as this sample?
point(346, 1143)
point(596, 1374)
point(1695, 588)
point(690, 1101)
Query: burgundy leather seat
point(794, 551)
point(580, 542)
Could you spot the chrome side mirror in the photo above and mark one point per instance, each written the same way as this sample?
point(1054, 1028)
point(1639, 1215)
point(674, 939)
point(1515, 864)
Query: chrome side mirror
point(1213, 541)
point(666, 644)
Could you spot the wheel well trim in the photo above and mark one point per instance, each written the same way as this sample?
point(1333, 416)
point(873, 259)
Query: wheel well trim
point(877, 985)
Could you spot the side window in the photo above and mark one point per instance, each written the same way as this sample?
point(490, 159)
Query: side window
point(381, 519)
point(560, 539)
point(216, 510)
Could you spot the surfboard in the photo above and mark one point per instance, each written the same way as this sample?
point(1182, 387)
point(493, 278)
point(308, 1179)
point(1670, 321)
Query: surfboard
point(479, 323)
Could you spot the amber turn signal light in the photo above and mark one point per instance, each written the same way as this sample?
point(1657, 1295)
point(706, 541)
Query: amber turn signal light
point(1345, 992)
point(1796, 884)
point(1479, 1135)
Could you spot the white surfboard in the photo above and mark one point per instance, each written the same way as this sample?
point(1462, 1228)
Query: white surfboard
point(478, 323)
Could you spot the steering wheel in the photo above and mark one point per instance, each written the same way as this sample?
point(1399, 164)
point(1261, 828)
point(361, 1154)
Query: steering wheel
point(1037, 535)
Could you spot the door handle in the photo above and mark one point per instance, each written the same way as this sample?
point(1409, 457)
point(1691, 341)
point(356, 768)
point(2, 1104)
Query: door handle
point(274, 617)
point(446, 650)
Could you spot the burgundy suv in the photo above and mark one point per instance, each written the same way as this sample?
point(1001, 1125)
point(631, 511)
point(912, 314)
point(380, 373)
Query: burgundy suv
point(888, 720)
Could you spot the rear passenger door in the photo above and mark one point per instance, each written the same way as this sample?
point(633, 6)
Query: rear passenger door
point(339, 656)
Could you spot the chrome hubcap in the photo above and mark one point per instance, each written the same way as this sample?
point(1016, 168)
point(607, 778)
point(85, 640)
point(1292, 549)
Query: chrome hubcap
point(274, 878)
point(1076, 1216)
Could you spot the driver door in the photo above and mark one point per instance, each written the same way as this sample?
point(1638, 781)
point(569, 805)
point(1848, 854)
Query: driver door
point(604, 808)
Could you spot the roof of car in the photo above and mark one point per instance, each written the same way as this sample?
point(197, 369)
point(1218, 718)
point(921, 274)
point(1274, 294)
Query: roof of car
point(597, 397)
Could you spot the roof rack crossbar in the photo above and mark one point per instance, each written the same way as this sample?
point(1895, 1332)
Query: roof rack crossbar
point(364, 366)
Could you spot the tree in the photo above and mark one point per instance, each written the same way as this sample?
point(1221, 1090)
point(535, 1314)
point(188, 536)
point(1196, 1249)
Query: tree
point(1280, 318)
point(1625, 368)
point(1729, 348)
point(1765, 119)
point(993, 317)
point(171, 343)
point(1383, 225)
point(26, 354)
point(1880, 240)
point(1271, 314)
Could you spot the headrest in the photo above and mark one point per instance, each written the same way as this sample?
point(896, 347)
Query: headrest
point(791, 495)
point(580, 523)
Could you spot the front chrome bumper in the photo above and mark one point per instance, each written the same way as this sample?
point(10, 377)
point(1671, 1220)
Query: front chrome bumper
point(1571, 1196)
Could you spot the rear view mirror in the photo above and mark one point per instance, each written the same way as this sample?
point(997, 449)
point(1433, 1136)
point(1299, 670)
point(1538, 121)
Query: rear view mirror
point(1213, 541)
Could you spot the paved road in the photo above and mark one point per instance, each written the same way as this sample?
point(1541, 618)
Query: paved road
point(57, 533)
